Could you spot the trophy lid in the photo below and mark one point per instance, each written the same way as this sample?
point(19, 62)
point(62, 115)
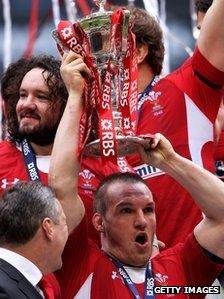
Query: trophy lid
point(98, 19)
point(100, 4)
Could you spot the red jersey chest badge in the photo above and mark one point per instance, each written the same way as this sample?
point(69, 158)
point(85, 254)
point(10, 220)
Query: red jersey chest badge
point(87, 180)
point(154, 98)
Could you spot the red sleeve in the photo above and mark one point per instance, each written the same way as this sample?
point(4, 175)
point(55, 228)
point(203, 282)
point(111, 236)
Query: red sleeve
point(185, 264)
point(206, 69)
point(199, 269)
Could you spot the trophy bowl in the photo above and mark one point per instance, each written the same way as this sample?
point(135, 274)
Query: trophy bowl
point(127, 145)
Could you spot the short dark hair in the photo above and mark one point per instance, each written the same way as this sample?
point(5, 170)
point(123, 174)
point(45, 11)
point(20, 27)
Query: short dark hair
point(148, 32)
point(22, 209)
point(100, 197)
point(202, 5)
point(12, 79)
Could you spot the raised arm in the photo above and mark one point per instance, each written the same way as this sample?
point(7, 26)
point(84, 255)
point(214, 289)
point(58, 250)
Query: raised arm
point(211, 39)
point(206, 189)
point(64, 166)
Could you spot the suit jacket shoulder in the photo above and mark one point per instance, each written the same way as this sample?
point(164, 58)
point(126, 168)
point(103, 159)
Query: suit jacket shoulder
point(14, 285)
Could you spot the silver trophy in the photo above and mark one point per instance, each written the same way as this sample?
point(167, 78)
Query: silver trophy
point(97, 27)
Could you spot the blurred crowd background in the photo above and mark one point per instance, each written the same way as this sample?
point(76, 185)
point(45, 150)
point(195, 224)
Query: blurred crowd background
point(33, 20)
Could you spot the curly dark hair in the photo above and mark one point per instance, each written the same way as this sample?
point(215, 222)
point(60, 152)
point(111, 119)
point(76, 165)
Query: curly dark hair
point(11, 82)
point(148, 32)
point(202, 5)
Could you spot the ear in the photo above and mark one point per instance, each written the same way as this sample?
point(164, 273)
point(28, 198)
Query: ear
point(141, 51)
point(98, 222)
point(48, 228)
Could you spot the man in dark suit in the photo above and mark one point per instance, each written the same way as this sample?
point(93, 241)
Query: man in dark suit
point(33, 232)
point(14, 284)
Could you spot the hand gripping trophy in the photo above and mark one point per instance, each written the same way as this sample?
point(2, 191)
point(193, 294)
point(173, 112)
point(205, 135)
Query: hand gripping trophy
point(107, 45)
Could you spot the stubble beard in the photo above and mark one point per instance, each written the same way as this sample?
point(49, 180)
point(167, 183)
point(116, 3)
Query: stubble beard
point(40, 135)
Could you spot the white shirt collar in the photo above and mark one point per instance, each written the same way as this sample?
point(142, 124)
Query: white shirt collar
point(43, 162)
point(136, 274)
point(23, 265)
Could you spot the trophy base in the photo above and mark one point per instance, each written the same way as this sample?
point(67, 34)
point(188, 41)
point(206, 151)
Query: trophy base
point(127, 145)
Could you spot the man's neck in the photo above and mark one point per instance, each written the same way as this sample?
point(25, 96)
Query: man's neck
point(42, 150)
point(32, 252)
point(145, 75)
point(125, 264)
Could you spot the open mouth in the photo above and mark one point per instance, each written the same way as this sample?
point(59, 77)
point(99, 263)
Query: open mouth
point(141, 238)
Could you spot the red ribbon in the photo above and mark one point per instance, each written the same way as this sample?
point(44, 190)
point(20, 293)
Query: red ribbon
point(75, 39)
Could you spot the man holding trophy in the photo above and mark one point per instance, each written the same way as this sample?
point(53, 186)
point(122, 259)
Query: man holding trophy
point(183, 106)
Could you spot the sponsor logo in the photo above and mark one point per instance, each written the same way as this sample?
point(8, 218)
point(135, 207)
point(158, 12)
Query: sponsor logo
point(67, 32)
point(26, 148)
point(106, 124)
point(123, 165)
point(71, 41)
point(6, 183)
point(32, 171)
point(115, 275)
point(147, 171)
point(127, 123)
